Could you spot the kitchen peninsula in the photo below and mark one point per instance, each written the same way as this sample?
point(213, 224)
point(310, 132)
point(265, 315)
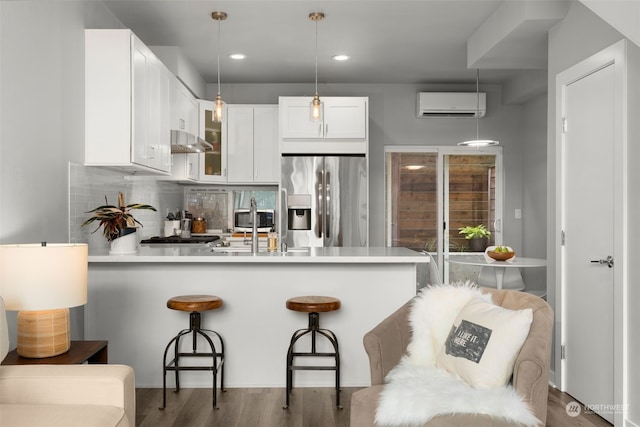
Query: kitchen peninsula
point(127, 298)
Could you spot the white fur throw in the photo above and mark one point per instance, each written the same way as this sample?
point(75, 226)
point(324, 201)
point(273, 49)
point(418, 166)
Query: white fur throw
point(416, 390)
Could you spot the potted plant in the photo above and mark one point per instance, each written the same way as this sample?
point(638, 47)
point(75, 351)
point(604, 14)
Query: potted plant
point(118, 224)
point(478, 237)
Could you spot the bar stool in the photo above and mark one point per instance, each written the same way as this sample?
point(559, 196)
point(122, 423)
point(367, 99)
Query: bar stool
point(314, 305)
point(194, 304)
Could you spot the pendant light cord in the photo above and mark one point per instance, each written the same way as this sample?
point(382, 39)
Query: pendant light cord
point(316, 57)
point(218, 57)
point(478, 142)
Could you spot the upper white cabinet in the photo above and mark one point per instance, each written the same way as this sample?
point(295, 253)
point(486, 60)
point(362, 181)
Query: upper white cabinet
point(252, 144)
point(343, 128)
point(185, 167)
point(213, 164)
point(127, 103)
point(184, 108)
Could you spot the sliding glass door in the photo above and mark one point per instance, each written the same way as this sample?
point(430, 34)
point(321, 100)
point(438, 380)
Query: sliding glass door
point(432, 192)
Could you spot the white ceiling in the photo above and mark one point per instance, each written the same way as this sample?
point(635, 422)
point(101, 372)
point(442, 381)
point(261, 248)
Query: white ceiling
point(389, 41)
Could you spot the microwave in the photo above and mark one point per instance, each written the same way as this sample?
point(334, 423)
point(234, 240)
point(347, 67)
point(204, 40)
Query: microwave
point(242, 220)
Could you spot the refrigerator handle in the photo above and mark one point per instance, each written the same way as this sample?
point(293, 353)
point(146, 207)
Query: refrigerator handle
point(320, 209)
point(284, 214)
point(327, 201)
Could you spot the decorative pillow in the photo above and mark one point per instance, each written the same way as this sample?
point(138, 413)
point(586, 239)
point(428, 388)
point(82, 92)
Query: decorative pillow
point(483, 343)
point(433, 311)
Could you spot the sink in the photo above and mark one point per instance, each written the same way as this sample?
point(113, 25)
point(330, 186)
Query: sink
point(234, 249)
point(247, 249)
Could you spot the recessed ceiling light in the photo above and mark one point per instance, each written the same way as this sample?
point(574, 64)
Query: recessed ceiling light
point(340, 57)
point(237, 56)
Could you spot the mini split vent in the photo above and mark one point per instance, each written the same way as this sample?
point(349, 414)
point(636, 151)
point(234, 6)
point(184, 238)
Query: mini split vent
point(451, 104)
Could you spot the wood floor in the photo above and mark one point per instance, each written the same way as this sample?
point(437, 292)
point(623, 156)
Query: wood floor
point(310, 407)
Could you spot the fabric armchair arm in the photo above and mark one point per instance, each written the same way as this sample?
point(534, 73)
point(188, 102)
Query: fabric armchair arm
point(107, 385)
point(531, 369)
point(387, 343)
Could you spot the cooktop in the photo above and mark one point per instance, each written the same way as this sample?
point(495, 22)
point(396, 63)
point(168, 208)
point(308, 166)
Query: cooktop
point(178, 239)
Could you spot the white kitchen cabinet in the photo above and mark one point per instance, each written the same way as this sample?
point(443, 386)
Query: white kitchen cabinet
point(343, 127)
point(127, 103)
point(185, 166)
point(184, 108)
point(252, 144)
point(342, 118)
point(212, 164)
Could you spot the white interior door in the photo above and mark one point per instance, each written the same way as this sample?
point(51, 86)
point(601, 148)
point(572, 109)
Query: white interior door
point(588, 217)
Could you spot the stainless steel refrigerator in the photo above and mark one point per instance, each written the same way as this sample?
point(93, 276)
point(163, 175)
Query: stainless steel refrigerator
point(324, 201)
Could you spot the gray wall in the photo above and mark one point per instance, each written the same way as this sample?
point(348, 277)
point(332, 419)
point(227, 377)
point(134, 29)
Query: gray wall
point(42, 106)
point(42, 118)
point(534, 188)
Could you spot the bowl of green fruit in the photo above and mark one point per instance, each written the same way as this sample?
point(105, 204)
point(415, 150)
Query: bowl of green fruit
point(500, 253)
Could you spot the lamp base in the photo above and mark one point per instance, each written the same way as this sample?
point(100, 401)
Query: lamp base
point(44, 333)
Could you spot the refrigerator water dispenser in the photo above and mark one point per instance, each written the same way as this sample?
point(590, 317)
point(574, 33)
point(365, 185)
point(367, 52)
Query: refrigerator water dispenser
point(299, 212)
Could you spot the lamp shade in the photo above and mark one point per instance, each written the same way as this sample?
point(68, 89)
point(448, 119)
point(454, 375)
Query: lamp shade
point(43, 277)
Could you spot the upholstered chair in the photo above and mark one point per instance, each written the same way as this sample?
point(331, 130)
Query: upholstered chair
point(387, 343)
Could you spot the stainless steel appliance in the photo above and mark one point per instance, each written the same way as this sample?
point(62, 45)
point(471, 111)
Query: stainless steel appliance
point(324, 201)
point(242, 220)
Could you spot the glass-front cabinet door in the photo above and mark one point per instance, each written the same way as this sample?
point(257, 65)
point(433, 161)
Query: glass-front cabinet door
point(213, 164)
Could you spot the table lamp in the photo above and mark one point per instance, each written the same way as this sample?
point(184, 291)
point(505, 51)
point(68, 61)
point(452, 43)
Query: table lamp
point(42, 281)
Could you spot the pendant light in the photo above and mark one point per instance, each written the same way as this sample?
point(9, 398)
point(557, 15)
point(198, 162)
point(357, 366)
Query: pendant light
point(478, 142)
point(316, 108)
point(219, 104)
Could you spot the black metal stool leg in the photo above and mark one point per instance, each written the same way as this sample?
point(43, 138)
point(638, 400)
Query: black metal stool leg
point(214, 368)
point(313, 329)
point(331, 337)
point(290, 368)
point(166, 365)
point(220, 355)
point(195, 329)
point(176, 361)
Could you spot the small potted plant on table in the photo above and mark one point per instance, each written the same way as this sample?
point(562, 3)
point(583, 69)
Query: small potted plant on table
point(118, 225)
point(478, 237)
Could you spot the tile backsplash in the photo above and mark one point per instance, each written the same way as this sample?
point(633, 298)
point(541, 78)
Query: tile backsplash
point(216, 205)
point(88, 187)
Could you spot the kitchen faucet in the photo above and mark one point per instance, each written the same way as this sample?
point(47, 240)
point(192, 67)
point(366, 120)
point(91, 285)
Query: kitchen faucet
point(253, 213)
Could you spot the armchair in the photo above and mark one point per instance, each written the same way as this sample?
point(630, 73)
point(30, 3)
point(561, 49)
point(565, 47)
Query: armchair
point(387, 343)
point(64, 395)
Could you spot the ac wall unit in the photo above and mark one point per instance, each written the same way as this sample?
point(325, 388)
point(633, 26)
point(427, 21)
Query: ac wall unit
point(451, 104)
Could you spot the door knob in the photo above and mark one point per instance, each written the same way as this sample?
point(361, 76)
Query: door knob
point(608, 261)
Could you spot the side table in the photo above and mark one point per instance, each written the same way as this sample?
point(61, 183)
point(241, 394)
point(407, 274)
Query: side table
point(79, 352)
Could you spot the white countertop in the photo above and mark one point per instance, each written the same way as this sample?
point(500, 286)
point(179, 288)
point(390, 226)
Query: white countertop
point(203, 254)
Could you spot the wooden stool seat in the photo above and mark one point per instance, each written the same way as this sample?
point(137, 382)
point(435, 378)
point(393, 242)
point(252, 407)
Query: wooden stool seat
point(193, 303)
point(313, 304)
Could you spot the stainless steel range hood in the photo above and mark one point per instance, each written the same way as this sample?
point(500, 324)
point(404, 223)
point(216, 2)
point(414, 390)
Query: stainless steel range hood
point(184, 142)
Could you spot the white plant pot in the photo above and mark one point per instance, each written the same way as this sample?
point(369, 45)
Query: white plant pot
point(125, 245)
